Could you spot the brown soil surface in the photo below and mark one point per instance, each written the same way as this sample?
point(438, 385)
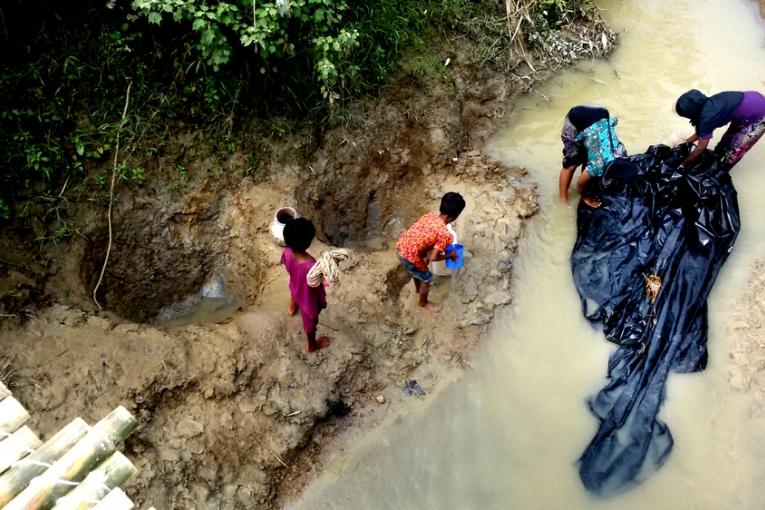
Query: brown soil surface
point(746, 331)
point(234, 413)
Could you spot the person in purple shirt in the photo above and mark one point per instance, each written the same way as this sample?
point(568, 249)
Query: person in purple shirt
point(298, 236)
point(744, 111)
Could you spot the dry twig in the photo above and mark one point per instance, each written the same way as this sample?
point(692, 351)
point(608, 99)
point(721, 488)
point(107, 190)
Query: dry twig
point(519, 9)
point(260, 443)
point(111, 194)
point(7, 372)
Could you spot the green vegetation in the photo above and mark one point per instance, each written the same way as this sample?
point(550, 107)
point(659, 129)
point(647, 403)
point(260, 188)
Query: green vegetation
point(205, 64)
point(552, 14)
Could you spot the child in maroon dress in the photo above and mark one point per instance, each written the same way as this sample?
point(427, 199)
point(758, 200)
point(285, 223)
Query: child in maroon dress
point(298, 235)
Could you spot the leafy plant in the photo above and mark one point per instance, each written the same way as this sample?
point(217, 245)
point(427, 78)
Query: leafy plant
point(556, 12)
point(5, 211)
point(423, 67)
point(252, 161)
point(128, 173)
point(274, 30)
point(207, 64)
point(182, 172)
point(136, 174)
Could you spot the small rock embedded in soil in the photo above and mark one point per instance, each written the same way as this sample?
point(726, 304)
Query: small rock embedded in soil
point(380, 399)
point(189, 428)
point(499, 298)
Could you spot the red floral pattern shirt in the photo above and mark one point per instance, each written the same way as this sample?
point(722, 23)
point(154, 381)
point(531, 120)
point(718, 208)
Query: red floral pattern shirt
point(427, 232)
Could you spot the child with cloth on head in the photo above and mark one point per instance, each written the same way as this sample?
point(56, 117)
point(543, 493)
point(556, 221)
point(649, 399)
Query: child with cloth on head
point(425, 242)
point(298, 235)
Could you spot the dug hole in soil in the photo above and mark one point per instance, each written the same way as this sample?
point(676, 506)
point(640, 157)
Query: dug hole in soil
point(234, 413)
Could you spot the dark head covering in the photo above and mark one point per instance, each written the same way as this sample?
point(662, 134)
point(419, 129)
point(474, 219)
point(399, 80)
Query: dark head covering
point(689, 105)
point(585, 116)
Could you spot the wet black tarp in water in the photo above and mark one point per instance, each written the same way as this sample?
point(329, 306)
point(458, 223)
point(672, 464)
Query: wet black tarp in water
point(679, 224)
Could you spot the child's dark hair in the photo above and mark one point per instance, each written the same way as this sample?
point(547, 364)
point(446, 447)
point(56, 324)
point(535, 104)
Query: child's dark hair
point(298, 234)
point(452, 204)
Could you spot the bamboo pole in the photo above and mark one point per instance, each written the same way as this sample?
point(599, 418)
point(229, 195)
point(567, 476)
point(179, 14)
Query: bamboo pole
point(70, 469)
point(16, 446)
point(115, 500)
point(12, 415)
point(110, 474)
point(4, 391)
point(18, 477)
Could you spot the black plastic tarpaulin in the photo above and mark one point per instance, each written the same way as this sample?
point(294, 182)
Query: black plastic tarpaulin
point(671, 224)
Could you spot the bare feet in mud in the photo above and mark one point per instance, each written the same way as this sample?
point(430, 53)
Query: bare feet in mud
point(321, 342)
point(432, 307)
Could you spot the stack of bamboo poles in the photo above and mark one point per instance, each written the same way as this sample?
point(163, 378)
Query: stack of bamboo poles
point(76, 469)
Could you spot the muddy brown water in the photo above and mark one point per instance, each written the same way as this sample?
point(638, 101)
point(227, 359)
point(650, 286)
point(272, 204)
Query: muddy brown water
point(507, 436)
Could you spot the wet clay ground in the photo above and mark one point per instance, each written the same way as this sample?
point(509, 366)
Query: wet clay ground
point(225, 407)
point(746, 331)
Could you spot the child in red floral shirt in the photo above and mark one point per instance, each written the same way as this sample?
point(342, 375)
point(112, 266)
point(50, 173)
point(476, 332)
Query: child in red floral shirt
point(425, 241)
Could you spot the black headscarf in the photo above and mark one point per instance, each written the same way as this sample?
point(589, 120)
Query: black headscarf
point(689, 105)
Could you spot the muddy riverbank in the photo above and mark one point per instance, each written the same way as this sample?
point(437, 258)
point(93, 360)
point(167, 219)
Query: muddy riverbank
point(234, 413)
point(509, 434)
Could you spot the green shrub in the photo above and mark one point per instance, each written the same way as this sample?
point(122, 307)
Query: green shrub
point(204, 63)
point(5, 211)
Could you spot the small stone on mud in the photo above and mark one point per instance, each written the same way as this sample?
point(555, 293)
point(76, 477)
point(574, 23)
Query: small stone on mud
point(98, 322)
point(169, 454)
point(469, 291)
point(247, 407)
point(438, 140)
point(380, 399)
point(499, 298)
point(189, 428)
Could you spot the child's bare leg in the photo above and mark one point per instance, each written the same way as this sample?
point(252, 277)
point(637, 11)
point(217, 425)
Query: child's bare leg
point(293, 308)
point(424, 290)
point(416, 285)
point(311, 341)
point(314, 344)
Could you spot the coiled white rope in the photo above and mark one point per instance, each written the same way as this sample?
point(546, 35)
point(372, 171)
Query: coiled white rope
point(327, 268)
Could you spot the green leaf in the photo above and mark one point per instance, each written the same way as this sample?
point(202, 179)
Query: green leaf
point(155, 17)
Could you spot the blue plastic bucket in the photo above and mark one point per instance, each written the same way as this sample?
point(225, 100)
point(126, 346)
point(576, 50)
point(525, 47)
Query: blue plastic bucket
point(454, 264)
